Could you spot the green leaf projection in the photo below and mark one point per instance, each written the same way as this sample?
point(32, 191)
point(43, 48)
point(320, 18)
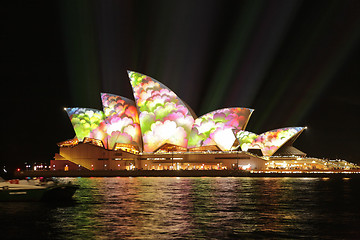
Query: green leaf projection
point(84, 120)
point(164, 118)
point(245, 139)
point(159, 116)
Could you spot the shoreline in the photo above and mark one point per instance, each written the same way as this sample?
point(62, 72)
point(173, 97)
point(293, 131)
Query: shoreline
point(188, 173)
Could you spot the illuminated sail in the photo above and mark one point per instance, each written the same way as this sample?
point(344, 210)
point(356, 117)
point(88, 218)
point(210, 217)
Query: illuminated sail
point(121, 124)
point(163, 117)
point(84, 120)
point(269, 142)
point(219, 126)
point(245, 139)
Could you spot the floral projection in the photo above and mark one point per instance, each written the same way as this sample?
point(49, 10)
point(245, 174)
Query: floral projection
point(118, 123)
point(84, 120)
point(245, 139)
point(164, 118)
point(218, 123)
point(159, 116)
point(269, 142)
point(121, 123)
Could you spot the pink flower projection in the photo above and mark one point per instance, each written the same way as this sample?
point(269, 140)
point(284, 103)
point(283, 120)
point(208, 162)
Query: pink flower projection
point(269, 142)
point(219, 126)
point(121, 124)
point(164, 118)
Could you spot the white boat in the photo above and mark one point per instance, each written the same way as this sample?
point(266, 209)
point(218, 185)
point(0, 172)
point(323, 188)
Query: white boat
point(35, 190)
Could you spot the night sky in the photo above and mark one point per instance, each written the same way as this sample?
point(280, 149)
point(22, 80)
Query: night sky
point(295, 62)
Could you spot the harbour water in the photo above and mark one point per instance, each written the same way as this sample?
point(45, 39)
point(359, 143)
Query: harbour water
point(193, 208)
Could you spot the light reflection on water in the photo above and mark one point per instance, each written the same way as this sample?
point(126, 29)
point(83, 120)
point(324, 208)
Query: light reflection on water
point(193, 208)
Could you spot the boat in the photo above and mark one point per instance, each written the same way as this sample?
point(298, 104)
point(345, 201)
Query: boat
point(35, 190)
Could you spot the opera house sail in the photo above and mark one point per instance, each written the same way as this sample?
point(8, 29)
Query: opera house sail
point(164, 118)
point(157, 130)
point(218, 127)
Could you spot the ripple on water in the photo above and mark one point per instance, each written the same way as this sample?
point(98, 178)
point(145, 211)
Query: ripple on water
point(193, 208)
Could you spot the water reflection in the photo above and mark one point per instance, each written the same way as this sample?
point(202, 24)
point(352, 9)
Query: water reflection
point(194, 208)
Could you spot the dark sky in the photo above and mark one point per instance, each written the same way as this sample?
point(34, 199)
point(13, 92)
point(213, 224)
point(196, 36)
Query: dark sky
point(295, 62)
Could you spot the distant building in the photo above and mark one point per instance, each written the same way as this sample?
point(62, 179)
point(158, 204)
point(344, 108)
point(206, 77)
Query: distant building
point(159, 131)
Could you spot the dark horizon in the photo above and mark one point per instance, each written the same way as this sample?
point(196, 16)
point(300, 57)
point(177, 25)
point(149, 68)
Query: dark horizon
point(295, 62)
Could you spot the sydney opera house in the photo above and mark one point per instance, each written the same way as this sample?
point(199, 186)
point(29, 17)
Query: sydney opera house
point(159, 131)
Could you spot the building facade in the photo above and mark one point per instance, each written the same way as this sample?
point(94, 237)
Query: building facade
point(158, 131)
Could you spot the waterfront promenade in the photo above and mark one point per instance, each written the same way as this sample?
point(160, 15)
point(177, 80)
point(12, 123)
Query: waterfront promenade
point(189, 173)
